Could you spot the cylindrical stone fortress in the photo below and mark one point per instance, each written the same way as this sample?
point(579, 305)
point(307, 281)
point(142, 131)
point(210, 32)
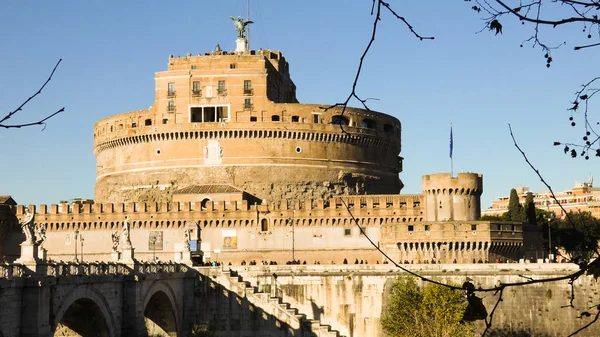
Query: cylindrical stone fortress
point(233, 119)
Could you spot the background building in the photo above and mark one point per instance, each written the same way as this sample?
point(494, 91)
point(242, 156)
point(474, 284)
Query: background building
point(582, 197)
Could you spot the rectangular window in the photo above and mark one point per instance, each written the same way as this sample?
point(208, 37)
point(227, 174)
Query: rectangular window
point(196, 88)
point(473, 227)
point(222, 114)
point(231, 65)
point(247, 104)
point(427, 228)
point(171, 106)
point(247, 87)
point(253, 119)
point(193, 67)
point(316, 118)
point(347, 231)
point(209, 115)
point(196, 115)
point(171, 89)
point(134, 125)
point(221, 89)
point(411, 228)
point(165, 120)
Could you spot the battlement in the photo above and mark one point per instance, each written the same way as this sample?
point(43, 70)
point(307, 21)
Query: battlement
point(363, 202)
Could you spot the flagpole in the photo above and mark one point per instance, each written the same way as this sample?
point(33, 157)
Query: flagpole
point(451, 148)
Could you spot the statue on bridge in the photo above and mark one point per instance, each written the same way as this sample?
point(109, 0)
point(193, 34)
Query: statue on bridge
point(27, 226)
point(186, 240)
point(115, 240)
point(125, 233)
point(40, 234)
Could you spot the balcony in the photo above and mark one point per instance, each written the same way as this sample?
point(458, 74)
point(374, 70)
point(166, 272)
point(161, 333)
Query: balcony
point(222, 92)
point(171, 108)
point(197, 93)
point(171, 94)
point(248, 92)
point(248, 106)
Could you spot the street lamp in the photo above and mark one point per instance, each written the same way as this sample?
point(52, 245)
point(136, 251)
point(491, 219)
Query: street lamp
point(76, 234)
point(217, 251)
point(293, 233)
point(550, 255)
point(81, 240)
point(153, 240)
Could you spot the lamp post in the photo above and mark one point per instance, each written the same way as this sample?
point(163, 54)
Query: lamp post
point(76, 234)
point(550, 257)
point(216, 251)
point(153, 240)
point(291, 220)
point(81, 240)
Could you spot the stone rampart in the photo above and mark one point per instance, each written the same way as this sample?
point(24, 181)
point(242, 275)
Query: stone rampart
point(351, 298)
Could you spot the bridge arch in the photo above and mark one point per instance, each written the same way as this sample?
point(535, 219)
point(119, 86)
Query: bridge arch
point(161, 309)
point(83, 305)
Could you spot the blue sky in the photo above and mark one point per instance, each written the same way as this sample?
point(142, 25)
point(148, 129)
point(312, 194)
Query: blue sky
point(477, 82)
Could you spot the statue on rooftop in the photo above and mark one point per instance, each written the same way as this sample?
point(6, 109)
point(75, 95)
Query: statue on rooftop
point(27, 226)
point(240, 26)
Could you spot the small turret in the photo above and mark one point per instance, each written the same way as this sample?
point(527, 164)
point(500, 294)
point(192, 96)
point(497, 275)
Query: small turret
point(452, 198)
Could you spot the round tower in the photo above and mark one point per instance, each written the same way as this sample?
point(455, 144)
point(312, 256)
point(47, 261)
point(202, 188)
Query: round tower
point(452, 198)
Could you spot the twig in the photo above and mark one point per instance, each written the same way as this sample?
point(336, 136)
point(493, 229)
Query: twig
point(587, 325)
point(20, 108)
point(488, 323)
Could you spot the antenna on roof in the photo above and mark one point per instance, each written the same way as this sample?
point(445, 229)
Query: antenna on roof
point(248, 35)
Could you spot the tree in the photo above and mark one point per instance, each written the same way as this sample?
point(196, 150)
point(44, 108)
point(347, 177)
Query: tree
point(529, 209)
point(515, 210)
point(578, 234)
point(489, 217)
point(430, 310)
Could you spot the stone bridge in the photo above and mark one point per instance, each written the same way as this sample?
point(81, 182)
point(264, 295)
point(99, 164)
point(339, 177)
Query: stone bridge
point(95, 299)
point(142, 299)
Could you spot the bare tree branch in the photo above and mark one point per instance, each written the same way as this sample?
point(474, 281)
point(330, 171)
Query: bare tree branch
point(376, 7)
point(20, 108)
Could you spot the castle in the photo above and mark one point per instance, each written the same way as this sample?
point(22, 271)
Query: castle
point(226, 165)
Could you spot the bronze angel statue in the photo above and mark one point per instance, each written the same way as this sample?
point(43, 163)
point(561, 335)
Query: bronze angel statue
point(240, 26)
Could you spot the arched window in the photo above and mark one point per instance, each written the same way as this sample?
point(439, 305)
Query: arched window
point(264, 225)
point(339, 120)
point(368, 124)
point(275, 118)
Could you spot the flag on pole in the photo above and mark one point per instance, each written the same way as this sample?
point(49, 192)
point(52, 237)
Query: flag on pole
point(450, 140)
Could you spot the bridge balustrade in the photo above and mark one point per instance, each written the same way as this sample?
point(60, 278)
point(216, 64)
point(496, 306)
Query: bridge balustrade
point(11, 271)
point(66, 269)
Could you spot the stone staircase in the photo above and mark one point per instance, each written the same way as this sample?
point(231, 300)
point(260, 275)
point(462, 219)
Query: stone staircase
point(275, 306)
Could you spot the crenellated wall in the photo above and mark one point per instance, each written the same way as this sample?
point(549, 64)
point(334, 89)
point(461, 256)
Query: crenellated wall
point(236, 231)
